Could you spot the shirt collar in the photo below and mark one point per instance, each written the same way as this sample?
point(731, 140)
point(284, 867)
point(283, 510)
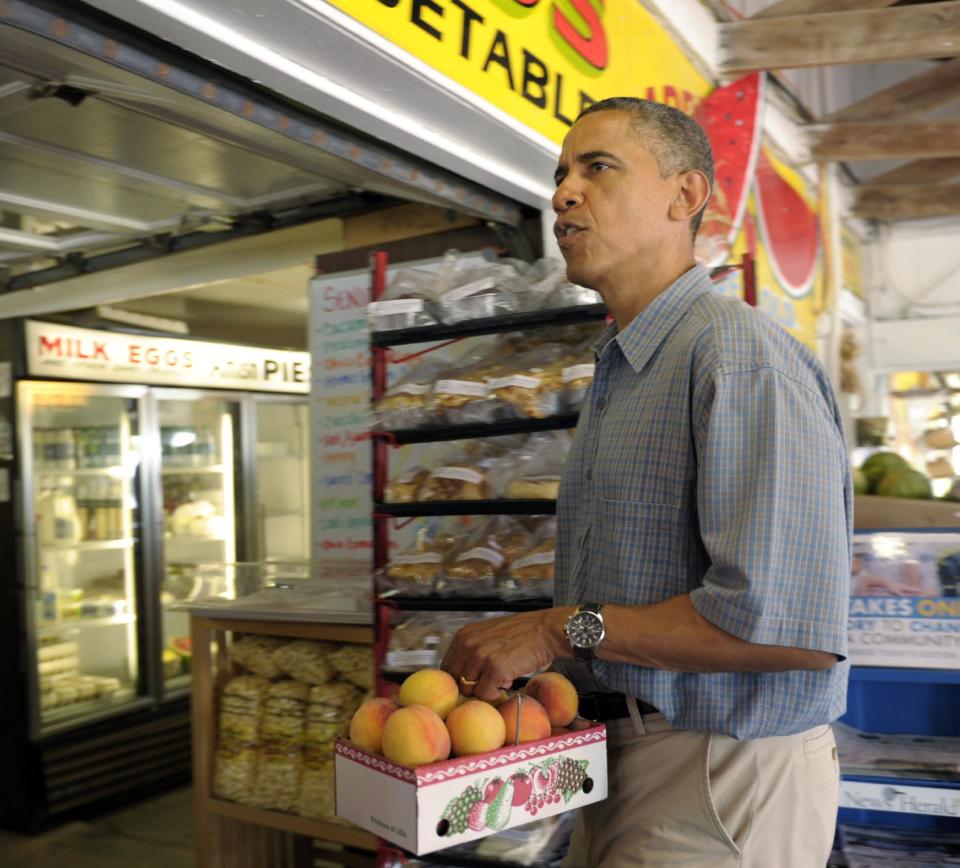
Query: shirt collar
point(648, 329)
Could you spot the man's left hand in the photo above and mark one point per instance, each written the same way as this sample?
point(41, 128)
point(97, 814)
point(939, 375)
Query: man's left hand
point(488, 655)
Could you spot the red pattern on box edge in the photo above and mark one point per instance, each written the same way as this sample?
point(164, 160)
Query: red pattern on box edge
point(459, 767)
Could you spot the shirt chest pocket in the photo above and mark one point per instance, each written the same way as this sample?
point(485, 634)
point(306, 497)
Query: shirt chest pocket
point(644, 460)
point(639, 551)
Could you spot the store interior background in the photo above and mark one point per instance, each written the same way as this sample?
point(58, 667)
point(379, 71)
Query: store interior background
point(118, 175)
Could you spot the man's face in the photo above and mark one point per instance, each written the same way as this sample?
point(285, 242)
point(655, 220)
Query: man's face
point(612, 206)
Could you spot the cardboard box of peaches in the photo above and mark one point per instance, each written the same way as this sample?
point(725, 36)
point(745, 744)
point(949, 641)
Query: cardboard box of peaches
point(435, 769)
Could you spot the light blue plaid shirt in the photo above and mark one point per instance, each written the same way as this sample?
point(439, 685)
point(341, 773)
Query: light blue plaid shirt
point(710, 460)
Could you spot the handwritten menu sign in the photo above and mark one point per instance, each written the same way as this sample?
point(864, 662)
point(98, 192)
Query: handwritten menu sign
point(340, 417)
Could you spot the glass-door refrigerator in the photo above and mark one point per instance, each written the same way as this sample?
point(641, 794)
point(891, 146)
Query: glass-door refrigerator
point(119, 501)
point(80, 447)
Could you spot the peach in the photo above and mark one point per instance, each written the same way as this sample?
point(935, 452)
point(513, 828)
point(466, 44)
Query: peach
point(432, 688)
point(534, 722)
point(475, 727)
point(415, 736)
point(556, 694)
point(559, 730)
point(366, 727)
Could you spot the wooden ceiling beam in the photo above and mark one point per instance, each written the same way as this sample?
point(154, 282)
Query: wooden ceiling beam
point(907, 203)
point(930, 30)
point(920, 172)
point(814, 7)
point(922, 93)
point(889, 141)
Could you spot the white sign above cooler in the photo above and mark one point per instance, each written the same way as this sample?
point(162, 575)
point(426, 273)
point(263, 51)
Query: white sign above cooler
point(67, 352)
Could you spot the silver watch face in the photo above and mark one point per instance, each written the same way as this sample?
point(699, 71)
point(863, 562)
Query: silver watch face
point(585, 630)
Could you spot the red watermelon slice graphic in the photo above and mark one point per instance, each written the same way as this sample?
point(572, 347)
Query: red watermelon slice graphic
point(789, 228)
point(731, 115)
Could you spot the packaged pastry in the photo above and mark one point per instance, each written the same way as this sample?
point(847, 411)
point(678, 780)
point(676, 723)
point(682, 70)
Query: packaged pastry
point(407, 403)
point(285, 712)
point(235, 770)
point(406, 487)
point(463, 396)
point(348, 659)
point(329, 712)
point(457, 481)
point(537, 467)
point(469, 291)
point(241, 707)
point(409, 301)
point(473, 568)
point(413, 572)
point(279, 770)
point(532, 573)
point(533, 388)
point(305, 660)
point(255, 654)
point(577, 378)
point(534, 488)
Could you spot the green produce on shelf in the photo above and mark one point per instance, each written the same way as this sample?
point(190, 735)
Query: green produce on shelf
point(904, 482)
point(860, 483)
point(880, 463)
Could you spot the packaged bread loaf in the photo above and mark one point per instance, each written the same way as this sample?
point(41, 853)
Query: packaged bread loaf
point(241, 707)
point(285, 711)
point(279, 770)
point(255, 654)
point(305, 661)
point(235, 770)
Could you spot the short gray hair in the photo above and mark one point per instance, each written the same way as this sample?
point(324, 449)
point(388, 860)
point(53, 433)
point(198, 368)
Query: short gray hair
point(675, 139)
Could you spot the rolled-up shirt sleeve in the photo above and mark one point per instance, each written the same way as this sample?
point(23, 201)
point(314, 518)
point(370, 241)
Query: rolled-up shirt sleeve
point(774, 507)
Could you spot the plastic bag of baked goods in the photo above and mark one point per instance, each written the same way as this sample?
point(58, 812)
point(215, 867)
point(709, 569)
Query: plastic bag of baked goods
point(537, 468)
point(472, 569)
point(533, 387)
point(354, 663)
point(422, 638)
point(416, 570)
point(329, 711)
point(468, 292)
point(317, 791)
point(235, 770)
point(532, 573)
point(255, 654)
point(461, 395)
point(461, 473)
point(405, 488)
point(407, 402)
point(279, 770)
point(285, 711)
point(409, 301)
point(305, 660)
point(577, 377)
point(241, 707)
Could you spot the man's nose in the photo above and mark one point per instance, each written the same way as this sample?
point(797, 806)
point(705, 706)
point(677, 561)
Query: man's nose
point(566, 196)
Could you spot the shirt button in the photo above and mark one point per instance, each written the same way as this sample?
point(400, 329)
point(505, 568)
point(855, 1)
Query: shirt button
point(589, 473)
point(602, 405)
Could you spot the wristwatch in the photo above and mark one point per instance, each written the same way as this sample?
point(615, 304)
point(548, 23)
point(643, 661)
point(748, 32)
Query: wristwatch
point(584, 630)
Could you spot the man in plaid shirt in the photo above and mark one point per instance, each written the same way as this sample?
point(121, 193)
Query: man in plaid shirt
point(704, 521)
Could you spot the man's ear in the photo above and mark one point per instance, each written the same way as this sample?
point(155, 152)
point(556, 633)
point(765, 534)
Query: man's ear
point(692, 195)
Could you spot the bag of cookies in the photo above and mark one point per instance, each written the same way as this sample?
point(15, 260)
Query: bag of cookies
point(533, 387)
point(472, 569)
point(537, 468)
point(407, 403)
point(406, 487)
point(532, 574)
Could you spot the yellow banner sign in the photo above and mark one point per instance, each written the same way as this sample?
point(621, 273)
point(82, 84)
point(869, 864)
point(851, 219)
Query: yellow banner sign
point(540, 61)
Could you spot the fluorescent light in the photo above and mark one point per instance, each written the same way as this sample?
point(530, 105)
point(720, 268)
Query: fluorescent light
point(232, 38)
point(143, 320)
point(182, 438)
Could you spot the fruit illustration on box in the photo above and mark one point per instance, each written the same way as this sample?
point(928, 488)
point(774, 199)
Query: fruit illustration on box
point(731, 117)
point(490, 804)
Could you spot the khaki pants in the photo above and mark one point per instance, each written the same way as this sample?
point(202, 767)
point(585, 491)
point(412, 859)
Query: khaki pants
point(710, 801)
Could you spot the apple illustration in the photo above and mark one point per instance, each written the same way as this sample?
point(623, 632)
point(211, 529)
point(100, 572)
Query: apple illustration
point(522, 788)
point(490, 793)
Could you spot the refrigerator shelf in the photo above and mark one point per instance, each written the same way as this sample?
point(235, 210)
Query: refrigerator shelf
point(181, 471)
point(89, 546)
point(85, 624)
point(52, 717)
point(114, 470)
